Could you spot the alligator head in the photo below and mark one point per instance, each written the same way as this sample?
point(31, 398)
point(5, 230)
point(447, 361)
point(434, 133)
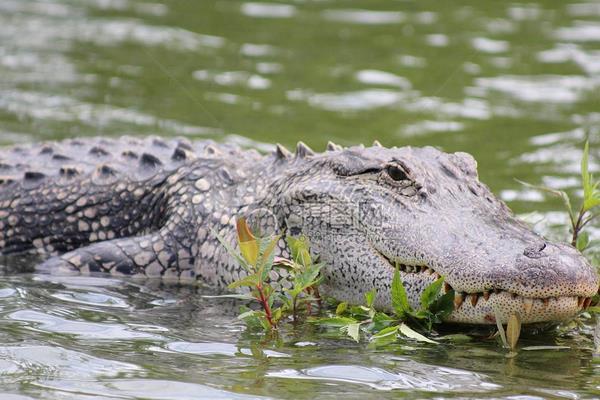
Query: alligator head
point(369, 209)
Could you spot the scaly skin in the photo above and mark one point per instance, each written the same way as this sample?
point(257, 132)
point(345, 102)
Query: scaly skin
point(151, 207)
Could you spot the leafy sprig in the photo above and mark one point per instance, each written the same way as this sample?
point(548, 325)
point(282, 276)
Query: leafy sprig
point(381, 327)
point(587, 211)
point(257, 257)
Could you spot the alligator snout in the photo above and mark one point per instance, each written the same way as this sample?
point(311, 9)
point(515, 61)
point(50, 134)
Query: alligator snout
point(553, 269)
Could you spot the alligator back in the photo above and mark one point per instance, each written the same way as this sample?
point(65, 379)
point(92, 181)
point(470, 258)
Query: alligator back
point(136, 158)
point(58, 196)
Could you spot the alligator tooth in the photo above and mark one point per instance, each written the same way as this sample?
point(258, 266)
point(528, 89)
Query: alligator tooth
point(437, 276)
point(424, 269)
point(474, 299)
point(580, 301)
point(406, 268)
point(486, 295)
point(546, 301)
point(587, 302)
point(459, 297)
point(447, 287)
point(527, 304)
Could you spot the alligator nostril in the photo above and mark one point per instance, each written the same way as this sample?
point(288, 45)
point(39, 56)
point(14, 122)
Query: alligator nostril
point(535, 251)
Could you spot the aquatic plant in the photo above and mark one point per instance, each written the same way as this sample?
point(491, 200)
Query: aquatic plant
point(256, 256)
point(382, 328)
point(587, 211)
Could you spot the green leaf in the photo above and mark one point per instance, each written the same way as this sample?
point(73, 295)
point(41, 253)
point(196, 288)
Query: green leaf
point(422, 314)
point(457, 338)
point(359, 311)
point(352, 330)
point(399, 298)
point(591, 196)
point(585, 174)
point(382, 317)
point(341, 308)
point(247, 314)
point(334, 321)
point(232, 252)
point(230, 296)
point(265, 323)
point(431, 293)
point(308, 277)
point(408, 332)
point(370, 297)
point(590, 203)
point(267, 245)
point(594, 310)
point(443, 305)
point(277, 313)
point(252, 319)
point(250, 280)
point(583, 240)
point(389, 331)
point(299, 247)
point(380, 321)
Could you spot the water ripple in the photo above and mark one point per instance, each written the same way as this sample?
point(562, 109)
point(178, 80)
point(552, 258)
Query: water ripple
point(580, 32)
point(40, 360)
point(376, 77)
point(217, 348)
point(90, 298)
point(367, 17)
point(143, 388)
point(540, 88)
point(351, 101)
point(268, 10)
point(407, 377)
point(486, 45)
point(86, 330)
point(40, 106)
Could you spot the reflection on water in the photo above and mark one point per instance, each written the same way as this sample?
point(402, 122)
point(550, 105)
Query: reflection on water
point(515, 84)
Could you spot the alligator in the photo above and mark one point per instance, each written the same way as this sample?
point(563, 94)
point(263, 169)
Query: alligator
point(152, 208)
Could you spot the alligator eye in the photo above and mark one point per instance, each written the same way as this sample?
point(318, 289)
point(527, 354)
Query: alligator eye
point(396, 173)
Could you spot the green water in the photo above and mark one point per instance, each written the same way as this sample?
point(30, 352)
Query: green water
point(515, 84)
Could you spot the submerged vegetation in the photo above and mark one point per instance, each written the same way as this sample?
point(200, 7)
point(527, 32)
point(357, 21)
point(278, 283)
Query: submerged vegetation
point(300, 295)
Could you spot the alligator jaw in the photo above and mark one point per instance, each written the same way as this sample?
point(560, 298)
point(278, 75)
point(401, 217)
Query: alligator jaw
point(476, 309)
point(486, 306)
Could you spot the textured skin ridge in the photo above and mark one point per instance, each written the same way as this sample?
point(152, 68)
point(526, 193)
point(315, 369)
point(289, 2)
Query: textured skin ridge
point(151, 207)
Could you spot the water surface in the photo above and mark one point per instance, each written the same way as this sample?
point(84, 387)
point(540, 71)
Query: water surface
point(515, 84)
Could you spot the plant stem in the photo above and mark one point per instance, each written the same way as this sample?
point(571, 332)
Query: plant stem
point(577, 227)
point(265, 305)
